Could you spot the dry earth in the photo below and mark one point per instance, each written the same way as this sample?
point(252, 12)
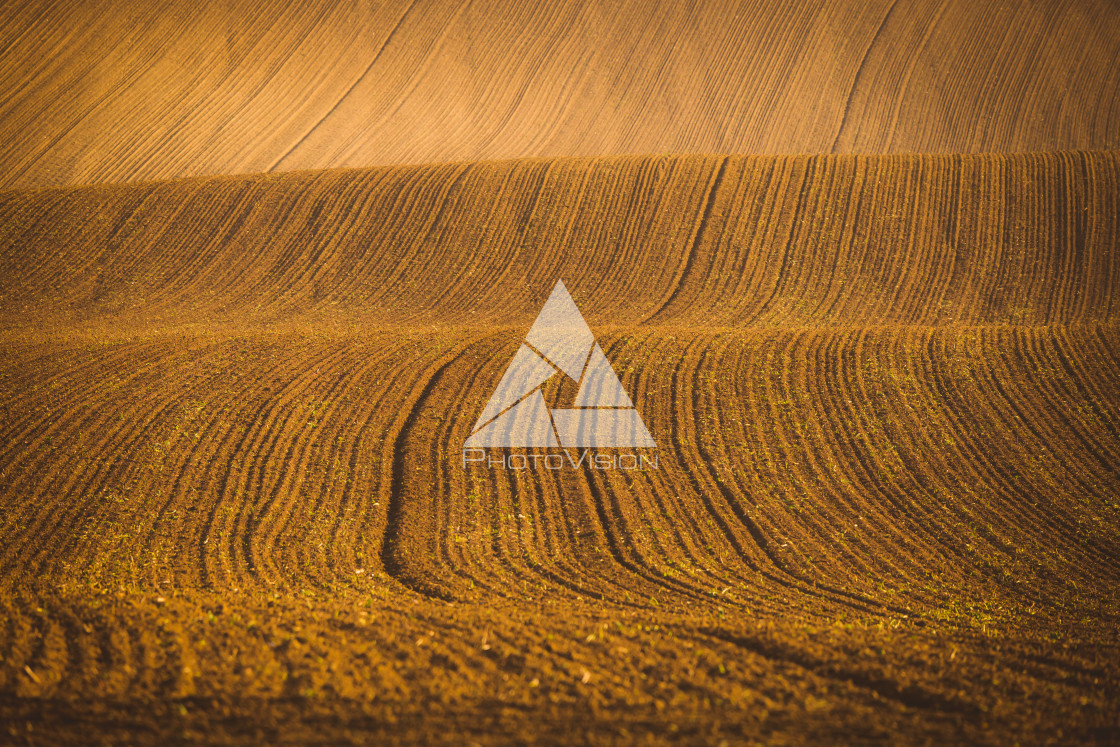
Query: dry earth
point(884, 391)
point(885, 387)
point(133, 91)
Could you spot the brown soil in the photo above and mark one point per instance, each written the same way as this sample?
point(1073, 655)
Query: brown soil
point(884, 388)
point(114, 91)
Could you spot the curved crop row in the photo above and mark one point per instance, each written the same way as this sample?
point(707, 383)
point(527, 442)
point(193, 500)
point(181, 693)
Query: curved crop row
point(109, 93)
point(759, 241)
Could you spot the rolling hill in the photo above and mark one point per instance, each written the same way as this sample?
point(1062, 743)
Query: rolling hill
point(233, 504)
point(111, 92)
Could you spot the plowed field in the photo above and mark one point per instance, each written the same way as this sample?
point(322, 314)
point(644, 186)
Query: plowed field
point(133, 91)
point(885, 392)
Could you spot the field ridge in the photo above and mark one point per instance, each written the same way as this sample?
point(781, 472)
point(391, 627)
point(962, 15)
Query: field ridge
point(883, 390)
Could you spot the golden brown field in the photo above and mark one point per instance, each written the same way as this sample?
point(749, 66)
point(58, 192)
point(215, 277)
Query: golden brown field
point(115, 91)
point(884, 385)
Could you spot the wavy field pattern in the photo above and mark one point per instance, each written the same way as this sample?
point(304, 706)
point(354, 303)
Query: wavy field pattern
point(712, 241)
point(100, 92)
point(884, 391)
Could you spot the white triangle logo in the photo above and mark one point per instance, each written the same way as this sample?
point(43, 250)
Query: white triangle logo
point(560, 342)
